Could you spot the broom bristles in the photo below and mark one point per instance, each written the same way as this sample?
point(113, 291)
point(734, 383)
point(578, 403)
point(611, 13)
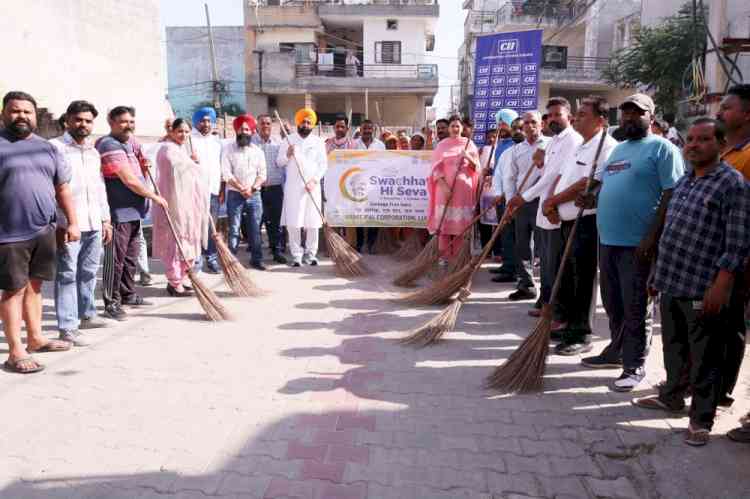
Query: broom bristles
point(420, 266)
point(347, 260)
point(386, 243)
point(463, 258)
point(208, 300)
point(442, 290)
point(524, 369)
point(433, 331)
point(235, 275)
point(411, 247)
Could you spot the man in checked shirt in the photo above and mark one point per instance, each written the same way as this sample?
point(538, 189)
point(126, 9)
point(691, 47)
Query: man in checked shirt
point(699, 273)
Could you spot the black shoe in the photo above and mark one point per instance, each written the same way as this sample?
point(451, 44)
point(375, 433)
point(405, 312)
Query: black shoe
point(498, 270)
point(258, 266)
point(296, 264)
point(172, 291)
point(137, 301)
point(574, 348)
point(557, 335)
point(599, 362)
point(212, 268)
point(279, 258)
point(504, 278)
point(522, 294)
point(115, 312)
point(313, 263)
point(146, 279)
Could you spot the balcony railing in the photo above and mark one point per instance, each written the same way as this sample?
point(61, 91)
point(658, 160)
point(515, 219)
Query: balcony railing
point(587, 69)
point(312, 3)
point(535, 12)
point(403, 71)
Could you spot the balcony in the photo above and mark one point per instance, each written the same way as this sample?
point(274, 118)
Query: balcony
point(428, 8)
point(539, 13)
point(396, 78)
point(576, 71)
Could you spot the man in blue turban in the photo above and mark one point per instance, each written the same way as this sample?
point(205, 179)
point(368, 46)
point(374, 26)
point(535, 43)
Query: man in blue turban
point(202, 113)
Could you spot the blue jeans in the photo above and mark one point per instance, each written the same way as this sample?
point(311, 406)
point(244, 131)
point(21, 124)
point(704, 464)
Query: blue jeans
point(210, 252)
point(77, 264)
point(235, 204)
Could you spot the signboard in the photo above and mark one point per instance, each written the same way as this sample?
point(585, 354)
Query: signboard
point(506, 75)
point(377, 188)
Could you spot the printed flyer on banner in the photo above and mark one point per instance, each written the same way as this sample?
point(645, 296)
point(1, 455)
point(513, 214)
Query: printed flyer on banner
point(377, 188)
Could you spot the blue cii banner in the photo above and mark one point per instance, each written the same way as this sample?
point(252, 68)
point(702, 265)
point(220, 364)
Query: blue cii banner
point(506, 76)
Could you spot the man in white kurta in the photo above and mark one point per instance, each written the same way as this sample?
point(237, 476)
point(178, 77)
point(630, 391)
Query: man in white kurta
point(304, 156)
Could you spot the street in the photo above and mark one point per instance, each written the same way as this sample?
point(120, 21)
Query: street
point(308, 395)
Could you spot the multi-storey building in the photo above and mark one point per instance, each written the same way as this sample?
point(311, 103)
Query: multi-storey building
point(367, 57)
point(577, 41)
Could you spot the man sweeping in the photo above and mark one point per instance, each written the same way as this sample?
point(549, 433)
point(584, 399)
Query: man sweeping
point(304, 156)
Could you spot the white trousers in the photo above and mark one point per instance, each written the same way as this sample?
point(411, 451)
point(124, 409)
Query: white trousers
point(295, 243)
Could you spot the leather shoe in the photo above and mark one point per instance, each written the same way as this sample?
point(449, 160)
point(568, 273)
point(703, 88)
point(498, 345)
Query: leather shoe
point(522, 294)
point(499, 270)
point(258, 266)
point(279, 258)
point(504, 278)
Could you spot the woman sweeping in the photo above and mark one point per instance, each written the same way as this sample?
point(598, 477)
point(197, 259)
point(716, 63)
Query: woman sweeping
point(182, 182)
point(455, 165)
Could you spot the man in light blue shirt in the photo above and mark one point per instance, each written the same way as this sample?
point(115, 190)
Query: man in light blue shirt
point(636, 185)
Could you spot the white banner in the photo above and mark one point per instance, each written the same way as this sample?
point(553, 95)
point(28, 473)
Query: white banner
point(377, 188)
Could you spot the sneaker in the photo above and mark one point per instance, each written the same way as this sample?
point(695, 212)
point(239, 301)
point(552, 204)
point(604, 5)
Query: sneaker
point(146, 279)
point(137, 301)
point(628, 380)
point(568, 349)
point(115, 312)
point(697, 437)
point(599, 362)
point(279, 258)
point(521, 294)
point(92, 323)
point(74, 337)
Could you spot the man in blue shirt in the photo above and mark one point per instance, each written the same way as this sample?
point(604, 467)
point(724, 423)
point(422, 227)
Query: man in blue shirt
point(636, 185)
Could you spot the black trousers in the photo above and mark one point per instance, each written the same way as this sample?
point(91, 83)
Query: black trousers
point(120, 260)
point(696, 343)
point(372, 237)
point(576, 295)
point(273, 200)
point(525, 227)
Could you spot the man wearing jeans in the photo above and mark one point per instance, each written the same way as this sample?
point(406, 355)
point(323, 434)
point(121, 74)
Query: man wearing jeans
point(78, 261)
point(207, 147)
point(273, 190)
point(636, 185)
point(243, 168)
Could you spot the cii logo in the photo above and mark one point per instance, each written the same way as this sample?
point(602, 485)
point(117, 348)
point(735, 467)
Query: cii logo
point(506, 47)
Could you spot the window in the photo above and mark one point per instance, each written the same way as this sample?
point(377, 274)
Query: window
point(391, 24)
point(388, 52)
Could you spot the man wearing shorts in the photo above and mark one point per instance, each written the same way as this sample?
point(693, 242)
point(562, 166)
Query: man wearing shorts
point(33, 181)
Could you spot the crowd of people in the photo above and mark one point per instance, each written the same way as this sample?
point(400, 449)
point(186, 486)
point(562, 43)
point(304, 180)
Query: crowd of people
point(659, 220)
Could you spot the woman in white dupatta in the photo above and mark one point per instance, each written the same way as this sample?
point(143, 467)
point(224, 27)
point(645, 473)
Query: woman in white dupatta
point(182, 182)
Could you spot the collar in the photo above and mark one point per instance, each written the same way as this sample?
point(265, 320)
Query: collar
point(739, 147)
point(68, 141)
point(720, 167)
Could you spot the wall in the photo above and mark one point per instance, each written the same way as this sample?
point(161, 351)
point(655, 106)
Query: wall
point(411, 33)
point(104, 51)
point(189, 66)
point(270, 38)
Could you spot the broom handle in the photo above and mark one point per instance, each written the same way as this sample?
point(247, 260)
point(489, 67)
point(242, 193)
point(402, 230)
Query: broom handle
point(169, 220)
point(453, 188)
point(299, 170)
point(569, 242)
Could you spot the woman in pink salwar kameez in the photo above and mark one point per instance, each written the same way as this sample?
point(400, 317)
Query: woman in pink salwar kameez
point(182, 182)
point(452, 157)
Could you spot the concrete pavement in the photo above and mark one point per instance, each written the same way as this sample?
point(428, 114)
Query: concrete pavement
point(307, 395)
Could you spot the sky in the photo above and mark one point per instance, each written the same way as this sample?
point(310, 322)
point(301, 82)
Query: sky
point(448, 36)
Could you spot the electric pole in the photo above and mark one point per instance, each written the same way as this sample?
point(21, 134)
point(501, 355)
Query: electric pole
point(216, 86)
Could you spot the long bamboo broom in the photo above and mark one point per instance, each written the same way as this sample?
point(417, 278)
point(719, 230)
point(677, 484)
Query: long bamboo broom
point(524, 369)
point(347, 260)
point(442, 290)
point(235, 275)
point(430, 253)
point(206, 297)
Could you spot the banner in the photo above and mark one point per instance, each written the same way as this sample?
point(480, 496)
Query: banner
point(377, 188)
point(506, 75)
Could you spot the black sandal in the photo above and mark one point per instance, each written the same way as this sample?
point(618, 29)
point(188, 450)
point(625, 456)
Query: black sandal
point(172, 291)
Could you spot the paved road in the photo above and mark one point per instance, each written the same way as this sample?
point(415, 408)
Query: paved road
point(307, 395)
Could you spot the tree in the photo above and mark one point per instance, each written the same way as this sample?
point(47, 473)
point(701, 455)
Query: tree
point(660, 58)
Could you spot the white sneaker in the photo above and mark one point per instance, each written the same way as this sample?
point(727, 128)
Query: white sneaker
point(628, 380)
point(92, 323)
point(74, 337)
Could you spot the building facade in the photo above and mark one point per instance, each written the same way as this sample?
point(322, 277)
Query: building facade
point(364, 57)
point(578, 38)
point(107, 52)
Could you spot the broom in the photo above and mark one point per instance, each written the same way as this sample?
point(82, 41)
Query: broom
point(524, 369)
point(386, 243)
point(347, 260)
point(207, 298)
point(430, 253)
point(442, 290)
point(235, 275)
point(411, 247)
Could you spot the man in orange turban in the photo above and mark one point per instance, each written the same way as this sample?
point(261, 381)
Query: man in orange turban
point(304, 156)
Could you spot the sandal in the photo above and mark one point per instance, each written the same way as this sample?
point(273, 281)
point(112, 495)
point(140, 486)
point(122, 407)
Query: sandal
point(697, 438)
point(741, 435)
point(51, 346)
point(15, 366)
point(654, 403)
